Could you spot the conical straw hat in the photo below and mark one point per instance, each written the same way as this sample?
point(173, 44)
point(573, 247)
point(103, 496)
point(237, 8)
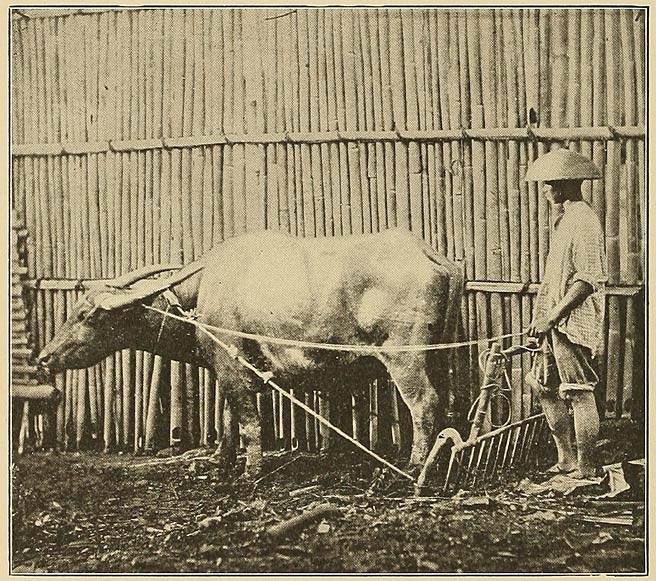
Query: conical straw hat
point(562, 164)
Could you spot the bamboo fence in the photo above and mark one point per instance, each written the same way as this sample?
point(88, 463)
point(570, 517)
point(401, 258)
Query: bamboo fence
point(147, 135)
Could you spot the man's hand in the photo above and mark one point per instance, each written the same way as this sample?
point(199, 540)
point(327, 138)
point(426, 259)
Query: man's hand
point(540, 328)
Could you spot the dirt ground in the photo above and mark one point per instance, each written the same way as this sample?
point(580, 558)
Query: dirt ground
point(98, 513)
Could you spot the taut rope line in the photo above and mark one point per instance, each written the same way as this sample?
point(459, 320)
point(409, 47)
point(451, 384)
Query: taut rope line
point(333, 346)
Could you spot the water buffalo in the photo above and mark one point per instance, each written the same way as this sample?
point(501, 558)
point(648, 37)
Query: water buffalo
point(383, 289)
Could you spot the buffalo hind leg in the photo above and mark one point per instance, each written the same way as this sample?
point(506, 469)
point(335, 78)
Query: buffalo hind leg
point(226, 451)
point(422, 400)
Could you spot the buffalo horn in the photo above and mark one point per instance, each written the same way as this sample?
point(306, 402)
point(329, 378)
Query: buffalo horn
point(129, 278)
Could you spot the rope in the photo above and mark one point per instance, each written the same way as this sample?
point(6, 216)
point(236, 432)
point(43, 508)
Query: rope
point(267, 379)
point(333, 346)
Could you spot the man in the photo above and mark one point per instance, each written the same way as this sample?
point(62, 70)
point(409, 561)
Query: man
point(569, 312)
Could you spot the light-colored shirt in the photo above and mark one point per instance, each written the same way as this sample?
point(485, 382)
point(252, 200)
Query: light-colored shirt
point(576, 252)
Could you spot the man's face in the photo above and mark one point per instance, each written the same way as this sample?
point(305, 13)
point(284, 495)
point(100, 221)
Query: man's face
point(554, 192)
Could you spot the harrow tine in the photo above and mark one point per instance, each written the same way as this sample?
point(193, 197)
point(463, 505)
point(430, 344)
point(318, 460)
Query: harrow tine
point(500, 446)
point(452, 459)
point(487, 459)
point(479, 448)
point(531, 441)
point(517, 432)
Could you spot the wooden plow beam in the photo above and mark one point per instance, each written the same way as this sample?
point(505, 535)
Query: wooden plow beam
point(455, 463)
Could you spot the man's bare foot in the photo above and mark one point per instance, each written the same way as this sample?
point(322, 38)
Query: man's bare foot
point(582, 475)
point(561, 468)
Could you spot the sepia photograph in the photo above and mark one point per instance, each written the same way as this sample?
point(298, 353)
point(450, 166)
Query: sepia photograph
point(339, 289)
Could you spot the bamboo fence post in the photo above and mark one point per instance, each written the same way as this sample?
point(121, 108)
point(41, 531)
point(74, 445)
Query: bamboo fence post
point(368, 152)
point(469, 304)
point(192, 424)
point(354, 202)
point(156, 63)
point(585, 37)
point(290, 87)
point(228, 126)
point(445, 215)
point(631, 218)
point(335, 108)
point(388, 116)
point(188, 240)
point(378, 90)
point(166, 156)
point(147, 174)
point(177, 405)
point(455, 105)
point(216, 72)
point(412, 120)
point(316, 109)
point(612, 193)
point(478, 181)
point(359, 113)
point(515, 224)
point(402, 202)
point(272, 113)
point(153, 404)
point(598, 102)
point(197, 118)
point(118, 399)
point(546, 89)
point(239, 194)
point(425, 114)
point(138, 401)
point(60, 378)
point(176, 112)
point(534, 112)
point(108, 394)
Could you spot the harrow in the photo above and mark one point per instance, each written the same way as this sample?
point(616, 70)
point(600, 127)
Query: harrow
point(482, 456)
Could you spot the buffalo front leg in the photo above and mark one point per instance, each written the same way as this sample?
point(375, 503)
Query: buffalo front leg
point(409, 375)
point(249, 420)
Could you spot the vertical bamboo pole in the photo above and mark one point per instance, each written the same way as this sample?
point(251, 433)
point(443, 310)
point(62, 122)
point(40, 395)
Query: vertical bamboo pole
point(632, 216)
point(153, 404)
point(320, 190)
point(167, 196)
point(402, 201)
point(176, 117)
point(584, 36)
point(272, 113)
point(228, 101)
point(455, 105)
point(197, 118)
point(361, 99)
point(138, 401)
point(411, 120)
point(187, 195)
point(598, 101)
point(239, 194)
point(370, 34)
point(612, 191)
point(177, 406)
point(216, 72)
point(118, 399)
point(388, 115)
point(60, 378)
point(477, 175)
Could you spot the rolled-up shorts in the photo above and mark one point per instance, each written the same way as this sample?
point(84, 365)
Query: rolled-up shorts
point(562, 367)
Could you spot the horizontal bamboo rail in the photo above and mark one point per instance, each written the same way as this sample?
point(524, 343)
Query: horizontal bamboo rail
point(471, 286)
point(607, 133)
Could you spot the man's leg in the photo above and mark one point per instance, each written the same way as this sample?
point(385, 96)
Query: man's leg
point(586, 428)
point(578, 380)
point(555, 411)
